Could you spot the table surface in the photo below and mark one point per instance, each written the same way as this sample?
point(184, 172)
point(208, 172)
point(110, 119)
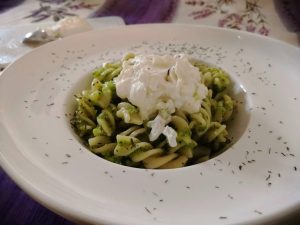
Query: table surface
point(275, 18)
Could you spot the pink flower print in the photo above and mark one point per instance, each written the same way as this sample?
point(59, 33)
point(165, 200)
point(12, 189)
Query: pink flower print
point(207, 11)
point(227, 2)
point(81, 5)
point(223, 22)
point(193, 3)
point(251, 28)
point(264, 31)
point(201, 14)
point(233, 20)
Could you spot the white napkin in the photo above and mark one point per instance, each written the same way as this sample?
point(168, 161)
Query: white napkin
point(11, 46)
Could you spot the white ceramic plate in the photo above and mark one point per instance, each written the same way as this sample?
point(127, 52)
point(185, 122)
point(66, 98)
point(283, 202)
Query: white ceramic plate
point(256, 180)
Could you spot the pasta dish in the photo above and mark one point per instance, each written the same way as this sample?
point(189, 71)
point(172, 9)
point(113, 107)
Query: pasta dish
point(155, 111)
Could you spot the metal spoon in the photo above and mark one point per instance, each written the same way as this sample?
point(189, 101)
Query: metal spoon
point(39, 36)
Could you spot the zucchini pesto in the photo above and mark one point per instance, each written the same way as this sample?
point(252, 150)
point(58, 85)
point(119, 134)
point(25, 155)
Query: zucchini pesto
point(153, 111)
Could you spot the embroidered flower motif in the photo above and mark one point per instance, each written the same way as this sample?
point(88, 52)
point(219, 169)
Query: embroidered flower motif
point(233, 20)
point(250, 19)
point(264, 31)
point(193, 3)
point(251, 27)
point(58, 9)
point(207, 11)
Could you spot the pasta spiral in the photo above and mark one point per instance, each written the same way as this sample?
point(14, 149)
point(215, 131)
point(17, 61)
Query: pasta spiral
point(214, 78)
point(143, 152)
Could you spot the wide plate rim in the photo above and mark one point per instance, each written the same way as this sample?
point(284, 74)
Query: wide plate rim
point(68, 210)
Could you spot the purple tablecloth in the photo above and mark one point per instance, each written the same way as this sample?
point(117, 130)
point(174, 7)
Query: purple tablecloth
point(18, 208)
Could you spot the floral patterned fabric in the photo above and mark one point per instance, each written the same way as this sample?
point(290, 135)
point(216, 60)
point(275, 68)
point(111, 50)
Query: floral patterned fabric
point(275, 18)
point(249, 18)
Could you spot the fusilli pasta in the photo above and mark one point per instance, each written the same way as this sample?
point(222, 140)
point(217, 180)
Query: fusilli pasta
point(112, 127)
